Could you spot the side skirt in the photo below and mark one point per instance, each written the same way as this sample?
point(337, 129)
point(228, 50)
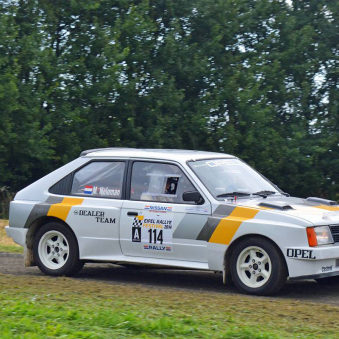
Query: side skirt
point(151, 261)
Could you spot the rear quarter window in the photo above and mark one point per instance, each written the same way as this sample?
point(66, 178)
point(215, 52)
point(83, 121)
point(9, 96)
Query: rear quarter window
point(102, 179)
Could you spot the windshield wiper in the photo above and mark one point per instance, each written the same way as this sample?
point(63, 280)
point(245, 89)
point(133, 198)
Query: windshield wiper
point(232, 194)
point(264, 193)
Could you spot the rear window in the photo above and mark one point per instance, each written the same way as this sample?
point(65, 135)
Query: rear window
point(99, 179)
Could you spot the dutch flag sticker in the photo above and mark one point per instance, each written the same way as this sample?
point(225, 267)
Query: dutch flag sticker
point(88, 190)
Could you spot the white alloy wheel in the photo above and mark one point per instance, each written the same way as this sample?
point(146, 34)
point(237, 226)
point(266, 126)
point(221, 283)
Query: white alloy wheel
point(254, 267)
point(53, 250)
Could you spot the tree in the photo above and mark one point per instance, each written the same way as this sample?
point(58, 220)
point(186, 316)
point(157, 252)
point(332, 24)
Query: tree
point(257, 79)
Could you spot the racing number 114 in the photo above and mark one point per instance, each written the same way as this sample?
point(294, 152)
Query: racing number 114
point(153, 236)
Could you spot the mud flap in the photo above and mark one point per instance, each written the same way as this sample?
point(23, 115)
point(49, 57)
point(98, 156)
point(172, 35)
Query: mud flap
point(28, 255)
point(224, 277)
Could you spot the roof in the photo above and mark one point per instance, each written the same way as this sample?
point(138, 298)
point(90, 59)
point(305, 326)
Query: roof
point(166, 154)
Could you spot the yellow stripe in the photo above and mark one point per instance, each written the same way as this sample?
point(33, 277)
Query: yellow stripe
point(62, 209)
point(328, 208)
point(227, 227)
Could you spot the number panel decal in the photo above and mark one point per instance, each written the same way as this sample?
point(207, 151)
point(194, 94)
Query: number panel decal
point(154, 231)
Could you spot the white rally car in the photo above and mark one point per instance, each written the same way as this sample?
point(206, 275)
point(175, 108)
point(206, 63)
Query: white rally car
point(188, 209)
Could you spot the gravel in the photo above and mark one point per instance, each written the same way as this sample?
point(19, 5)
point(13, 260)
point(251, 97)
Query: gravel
point(305, 290)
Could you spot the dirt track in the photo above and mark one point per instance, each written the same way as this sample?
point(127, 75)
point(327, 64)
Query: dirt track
point(196, 281)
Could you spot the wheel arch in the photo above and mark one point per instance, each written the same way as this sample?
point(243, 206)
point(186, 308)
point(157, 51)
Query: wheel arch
point(232, 246)
point(33, 230)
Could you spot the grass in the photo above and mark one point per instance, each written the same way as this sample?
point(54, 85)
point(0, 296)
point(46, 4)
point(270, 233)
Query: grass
point(43, 307)
point(6, 243)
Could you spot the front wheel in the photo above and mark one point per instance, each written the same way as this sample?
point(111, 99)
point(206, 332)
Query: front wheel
point(55, 250)
point(258, 267)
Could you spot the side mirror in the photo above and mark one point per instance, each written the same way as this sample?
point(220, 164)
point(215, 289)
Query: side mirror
point(193, 196)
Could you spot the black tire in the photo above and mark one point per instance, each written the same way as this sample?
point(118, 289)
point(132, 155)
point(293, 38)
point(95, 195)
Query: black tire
point(278, 269)
point(72, 264)
point(328, 281)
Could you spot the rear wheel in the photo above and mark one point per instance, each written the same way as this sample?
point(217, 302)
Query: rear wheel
point(55, 250)
point(258, 267)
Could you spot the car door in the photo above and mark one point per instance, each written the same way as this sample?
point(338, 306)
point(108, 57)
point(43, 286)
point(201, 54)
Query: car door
point(155, 221)
point(97, 189)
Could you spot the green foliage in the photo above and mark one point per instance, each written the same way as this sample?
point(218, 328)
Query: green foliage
point(71, 308)
point(258, 79)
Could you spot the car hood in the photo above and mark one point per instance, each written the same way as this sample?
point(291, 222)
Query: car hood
point(319, 212)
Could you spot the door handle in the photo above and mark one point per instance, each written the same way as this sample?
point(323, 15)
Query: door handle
point(132, 214)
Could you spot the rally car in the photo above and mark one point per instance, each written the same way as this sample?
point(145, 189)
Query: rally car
point(175, 208)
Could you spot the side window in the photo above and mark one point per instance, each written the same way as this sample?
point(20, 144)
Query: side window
point(99, 179)
point(158, 182)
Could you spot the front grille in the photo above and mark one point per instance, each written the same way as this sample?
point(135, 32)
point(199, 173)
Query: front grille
point(335, 232)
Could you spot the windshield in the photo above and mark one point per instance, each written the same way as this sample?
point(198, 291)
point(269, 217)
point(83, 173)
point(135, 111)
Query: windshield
point(223, 176)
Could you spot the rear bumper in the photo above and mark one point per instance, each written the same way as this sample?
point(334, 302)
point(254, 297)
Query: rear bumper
point(17, 234)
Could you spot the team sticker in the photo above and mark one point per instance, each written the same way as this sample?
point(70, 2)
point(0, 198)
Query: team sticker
point(99, 216)
point(158, 209)
point(154, 232)
point(196, 209)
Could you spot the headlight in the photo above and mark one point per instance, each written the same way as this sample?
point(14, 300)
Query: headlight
point(320, 235)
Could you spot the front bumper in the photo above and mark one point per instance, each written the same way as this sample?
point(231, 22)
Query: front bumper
point(17, 234)
point(316, 276)
point(322, 262)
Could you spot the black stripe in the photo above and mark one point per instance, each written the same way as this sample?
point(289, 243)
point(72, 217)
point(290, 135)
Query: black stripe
point(208, 229)
point(224, 210)
point(41, 210)
point(219, 213)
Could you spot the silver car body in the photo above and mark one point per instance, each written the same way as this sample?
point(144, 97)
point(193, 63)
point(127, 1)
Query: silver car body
point(202, 236)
